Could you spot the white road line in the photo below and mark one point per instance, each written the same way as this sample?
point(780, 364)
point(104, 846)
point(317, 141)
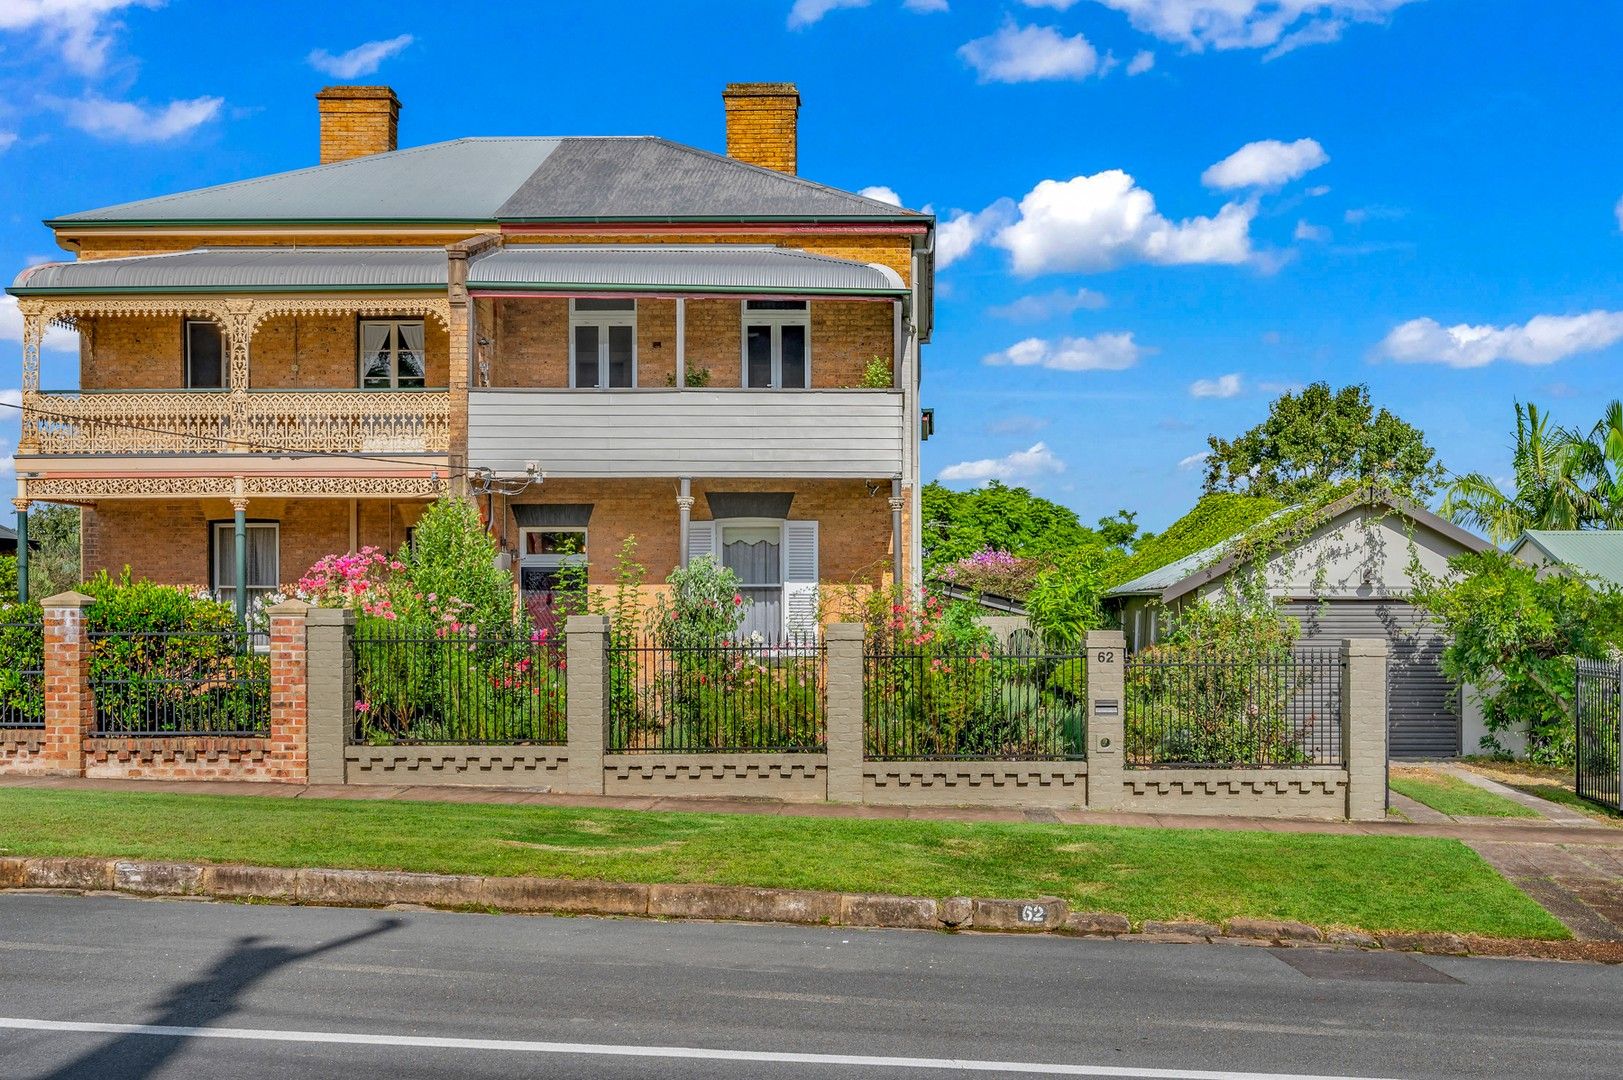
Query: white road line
point(510, 1046)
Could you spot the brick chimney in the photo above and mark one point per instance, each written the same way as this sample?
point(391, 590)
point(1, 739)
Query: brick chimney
point(356, 121)
point(761, 124)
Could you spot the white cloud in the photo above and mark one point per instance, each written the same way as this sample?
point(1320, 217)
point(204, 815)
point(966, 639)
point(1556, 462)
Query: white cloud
point(1265, 164)
point(925, 7)
point(1194, 459)
point(126, 121)
point(11, 329)
point(1277, 25)
point(1019, 465)
point(1104, 220)
point(7, 138)
point(1141, 62)
point(1316, 234)
point(806, 12)
point(363, 59)
point(1618, 209)
point(881, 193)
point(1224, 386)
point(1543, 339)
point(1358, 215)
point(1018, 54)
point(1102, 352)
point(956, 236)
point(1052, 5)
point(1048, 305)
point(80, 31)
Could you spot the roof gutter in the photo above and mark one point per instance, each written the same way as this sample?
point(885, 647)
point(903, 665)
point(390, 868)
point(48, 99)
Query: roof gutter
point(190, 290)
point(500, 289)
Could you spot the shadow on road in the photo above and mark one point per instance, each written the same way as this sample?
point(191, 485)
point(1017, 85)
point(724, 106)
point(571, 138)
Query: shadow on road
point(199, 1003)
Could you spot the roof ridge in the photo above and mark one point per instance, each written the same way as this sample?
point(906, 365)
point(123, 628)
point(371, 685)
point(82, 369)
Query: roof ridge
point(795, 177)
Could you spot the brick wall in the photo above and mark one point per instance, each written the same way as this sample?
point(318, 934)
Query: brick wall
point(168, 541)
point(307, 352)
point(853, 527)
point(530, 346)
point(22, 751)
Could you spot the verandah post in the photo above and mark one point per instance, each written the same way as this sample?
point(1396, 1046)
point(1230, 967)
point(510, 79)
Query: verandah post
point(845, 712)
point(239, 510)
point(586, 671)
point(22, 550)
point(1107, 727)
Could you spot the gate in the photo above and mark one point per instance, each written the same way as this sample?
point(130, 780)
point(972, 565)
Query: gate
point(1599, 735)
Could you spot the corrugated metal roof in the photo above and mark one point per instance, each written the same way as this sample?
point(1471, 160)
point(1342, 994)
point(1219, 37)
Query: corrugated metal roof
point(269, 269)
point(1162, 579)
point(718, 268)
point(489, 180)
point(1595, 552)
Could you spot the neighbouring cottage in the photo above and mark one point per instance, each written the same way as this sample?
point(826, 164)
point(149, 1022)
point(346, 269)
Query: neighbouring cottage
point(598, 337)
point(1348, 576)
point(1596, 555)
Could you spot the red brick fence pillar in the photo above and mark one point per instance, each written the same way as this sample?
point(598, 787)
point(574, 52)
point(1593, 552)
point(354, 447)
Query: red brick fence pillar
point(70, 713)
point(288, 739)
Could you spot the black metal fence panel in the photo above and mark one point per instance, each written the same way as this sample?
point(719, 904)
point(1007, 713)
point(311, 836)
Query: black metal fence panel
point(732, 696)
point(22, 676)
point(1020, 703)
point(184, 682)
point(1199, 710)
point(1599, 735)
point(458, 687)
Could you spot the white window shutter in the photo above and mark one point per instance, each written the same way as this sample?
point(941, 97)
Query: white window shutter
point(800, 578)
point(702, 540)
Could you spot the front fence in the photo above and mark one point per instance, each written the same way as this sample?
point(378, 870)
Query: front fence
point(22, 678)
point(1273, 708)
point(730, 696)
point(156, 683)
point(1020, 703)
point(458, 687)
point(1599, 694)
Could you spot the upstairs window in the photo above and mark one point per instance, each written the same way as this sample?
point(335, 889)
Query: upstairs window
point(392, 356)
point(206, 366)
point(602, 344)
point(777, 344)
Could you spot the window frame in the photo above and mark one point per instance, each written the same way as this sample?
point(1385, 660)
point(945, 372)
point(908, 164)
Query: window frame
point(721, 526)
point(775, 320)
point(551, 563)
point(186, 354)
point(394, 352)
point(222, 538)
point(602, 321)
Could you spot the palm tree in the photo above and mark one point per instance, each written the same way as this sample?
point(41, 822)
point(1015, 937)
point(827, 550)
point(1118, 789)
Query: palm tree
point(1551, 467)
point(1603, 461)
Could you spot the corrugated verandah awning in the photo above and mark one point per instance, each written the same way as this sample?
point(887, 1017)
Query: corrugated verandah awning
point(722, 269)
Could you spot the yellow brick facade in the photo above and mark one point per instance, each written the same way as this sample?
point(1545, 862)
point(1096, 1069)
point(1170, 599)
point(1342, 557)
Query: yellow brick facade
point(761, 124)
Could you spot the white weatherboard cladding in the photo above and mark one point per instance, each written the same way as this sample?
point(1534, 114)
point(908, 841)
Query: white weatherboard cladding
point(689, 432)
point(800, 576)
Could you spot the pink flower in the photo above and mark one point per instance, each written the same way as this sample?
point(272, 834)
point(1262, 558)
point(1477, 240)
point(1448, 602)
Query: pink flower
point(737, 600)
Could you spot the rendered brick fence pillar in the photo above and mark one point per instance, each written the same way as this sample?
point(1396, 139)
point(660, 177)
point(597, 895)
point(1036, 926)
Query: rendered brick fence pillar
point(845, 710)
point(586, 663)
point(329, 692)
point(289, 706)
point(1363, 727)
point(70, 712)
point(1107, 707)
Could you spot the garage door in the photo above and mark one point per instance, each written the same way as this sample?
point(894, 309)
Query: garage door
point(1422, 715)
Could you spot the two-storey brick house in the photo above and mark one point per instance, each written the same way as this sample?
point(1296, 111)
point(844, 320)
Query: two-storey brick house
point(596, 336)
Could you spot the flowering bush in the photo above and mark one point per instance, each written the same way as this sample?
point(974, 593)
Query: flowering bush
point(702, 607)
point(995, 572)
point(362, 580)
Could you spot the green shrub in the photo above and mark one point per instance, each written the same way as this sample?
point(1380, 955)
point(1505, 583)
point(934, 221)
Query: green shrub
point(22, 650)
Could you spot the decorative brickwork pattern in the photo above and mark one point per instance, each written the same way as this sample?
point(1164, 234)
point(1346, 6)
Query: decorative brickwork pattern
point(1295, 793)
point(790, 777)
point(503, 766)
point(22, 751)
point(181, 758)
point(1059, 785)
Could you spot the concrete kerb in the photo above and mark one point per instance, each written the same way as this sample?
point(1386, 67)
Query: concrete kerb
point(726, 903)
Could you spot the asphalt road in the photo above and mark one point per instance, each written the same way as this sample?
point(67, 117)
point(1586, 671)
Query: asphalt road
point(110, 988)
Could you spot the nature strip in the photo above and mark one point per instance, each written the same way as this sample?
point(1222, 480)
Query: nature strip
point(526, 895)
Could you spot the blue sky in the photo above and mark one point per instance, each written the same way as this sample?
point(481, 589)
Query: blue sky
point(1156, 213)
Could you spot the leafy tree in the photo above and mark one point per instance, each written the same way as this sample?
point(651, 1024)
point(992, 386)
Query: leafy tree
point(53, 556)
point(1514, 635)
point(1120, 529)
point(1555, 472)
point(1319, 437)
point(453, 556)
point(959, 524)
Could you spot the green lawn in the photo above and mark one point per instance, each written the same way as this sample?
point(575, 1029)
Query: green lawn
point(1452, 796)
point(1371, 883)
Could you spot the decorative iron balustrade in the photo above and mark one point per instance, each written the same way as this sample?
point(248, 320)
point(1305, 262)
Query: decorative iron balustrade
point(218, 421)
